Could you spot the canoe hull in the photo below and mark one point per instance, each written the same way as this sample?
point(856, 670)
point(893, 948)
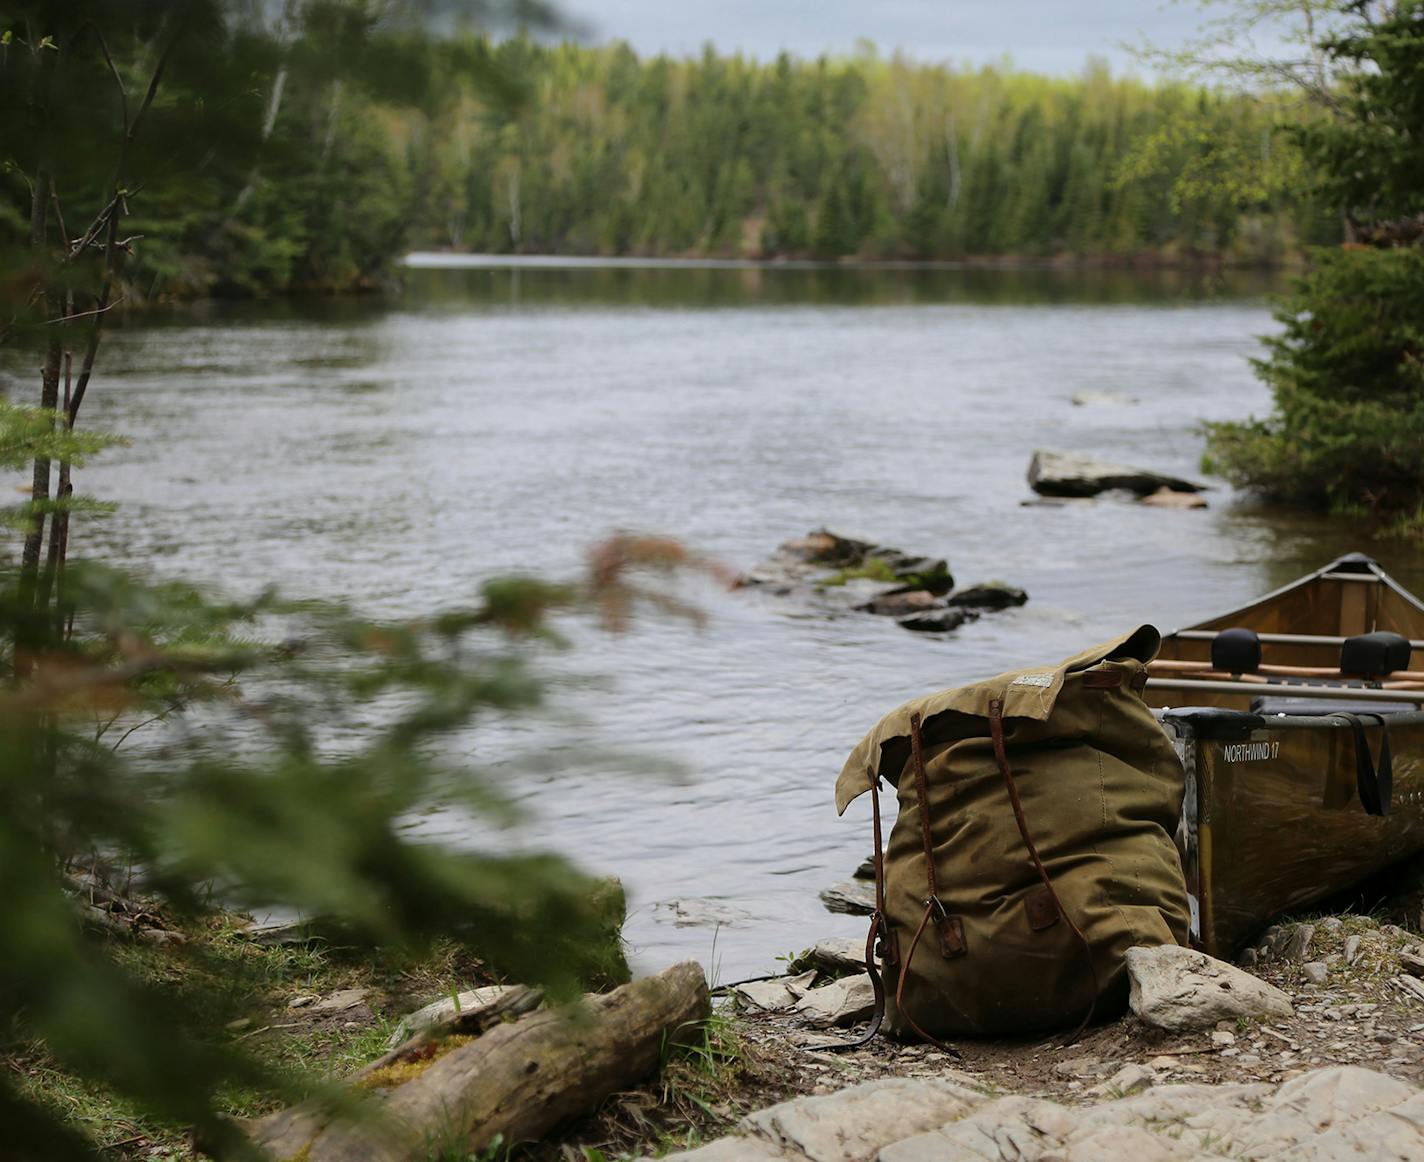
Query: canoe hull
point(1273, 818)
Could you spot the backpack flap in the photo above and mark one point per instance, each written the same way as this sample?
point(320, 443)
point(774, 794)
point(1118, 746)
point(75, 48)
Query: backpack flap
point(962, 712)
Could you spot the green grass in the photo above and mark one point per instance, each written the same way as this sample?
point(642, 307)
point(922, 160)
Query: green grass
point(217, 978)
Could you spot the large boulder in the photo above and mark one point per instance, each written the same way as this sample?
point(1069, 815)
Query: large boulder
point(1180, 989)
point(1069, 474)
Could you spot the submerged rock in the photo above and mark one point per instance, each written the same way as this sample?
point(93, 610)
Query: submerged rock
point(1097, 397)
point(1069, 474)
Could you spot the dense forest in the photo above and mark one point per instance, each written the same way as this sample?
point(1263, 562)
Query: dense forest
point(300, 168)
point(869, 157)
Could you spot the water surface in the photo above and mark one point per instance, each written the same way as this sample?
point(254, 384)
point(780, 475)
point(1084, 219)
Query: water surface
point(502, 418)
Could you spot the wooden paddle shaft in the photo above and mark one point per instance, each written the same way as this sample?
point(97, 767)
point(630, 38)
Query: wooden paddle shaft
point(1169, 666)
point(1340, 694)
point(1299, 639)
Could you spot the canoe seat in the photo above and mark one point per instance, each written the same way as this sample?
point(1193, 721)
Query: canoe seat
point(1370, 654)
point(1236, 651)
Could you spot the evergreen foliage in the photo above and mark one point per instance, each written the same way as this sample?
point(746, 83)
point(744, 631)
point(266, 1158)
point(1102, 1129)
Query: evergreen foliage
point(275, 753)
point(1348, 371)
point(865, 157)
point(311, 151)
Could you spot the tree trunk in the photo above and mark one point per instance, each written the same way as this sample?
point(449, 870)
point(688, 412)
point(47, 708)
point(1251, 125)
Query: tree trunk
point(53, 305)
point(515, 1083)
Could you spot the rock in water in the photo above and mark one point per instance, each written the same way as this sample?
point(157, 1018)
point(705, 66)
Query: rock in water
point(937, 620)
point(1179, 989)
point(901, 604)
point(928, 573)
point(1094, 397)
point(1165, 498)
point(989, 595)
point(854, 898)
point(1068, 474)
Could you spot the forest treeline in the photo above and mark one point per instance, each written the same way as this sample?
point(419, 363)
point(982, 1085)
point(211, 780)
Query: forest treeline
point(866, 156)
point(295, 170)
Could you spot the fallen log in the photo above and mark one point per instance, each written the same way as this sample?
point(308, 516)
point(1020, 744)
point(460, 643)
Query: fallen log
point(514, 1083)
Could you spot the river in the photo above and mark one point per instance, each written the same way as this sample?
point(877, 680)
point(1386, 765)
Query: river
point(503, 416)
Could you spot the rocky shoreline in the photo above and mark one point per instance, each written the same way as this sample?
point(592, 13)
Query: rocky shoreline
point(1329, 1065)
point(1336, 1075)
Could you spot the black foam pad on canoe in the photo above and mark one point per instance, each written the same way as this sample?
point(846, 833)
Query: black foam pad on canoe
point(1374, 653)
point(1236, 651)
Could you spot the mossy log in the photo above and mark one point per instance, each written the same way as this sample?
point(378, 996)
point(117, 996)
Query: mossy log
point(518, 1080)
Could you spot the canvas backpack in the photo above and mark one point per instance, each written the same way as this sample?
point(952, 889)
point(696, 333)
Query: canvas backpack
point(1033, 846)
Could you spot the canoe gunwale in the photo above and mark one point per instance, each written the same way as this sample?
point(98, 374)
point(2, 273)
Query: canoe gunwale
point(1354, 564)
point(1243, 722)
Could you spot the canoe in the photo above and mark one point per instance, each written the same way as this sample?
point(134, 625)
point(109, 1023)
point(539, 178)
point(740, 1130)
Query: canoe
point(1300, 723)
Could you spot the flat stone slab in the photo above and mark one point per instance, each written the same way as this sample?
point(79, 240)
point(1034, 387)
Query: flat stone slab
point(1338, 1113)
point(842, 1002)
point(340, 1001)
point(438, 1012)
point(772, 995)
point(1070, 474)
point(832, 956)
point(853, 1123)
point(1180, 989)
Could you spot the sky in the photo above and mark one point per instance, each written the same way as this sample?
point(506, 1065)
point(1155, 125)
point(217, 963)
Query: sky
point(1046, 36)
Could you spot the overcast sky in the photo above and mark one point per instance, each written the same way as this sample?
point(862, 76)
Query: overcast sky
point(1049, 36)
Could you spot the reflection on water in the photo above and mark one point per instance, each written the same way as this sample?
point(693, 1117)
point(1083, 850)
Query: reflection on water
point(396, 452)
point(745, 284)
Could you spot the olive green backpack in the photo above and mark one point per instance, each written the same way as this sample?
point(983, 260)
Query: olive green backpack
point(1033, 848)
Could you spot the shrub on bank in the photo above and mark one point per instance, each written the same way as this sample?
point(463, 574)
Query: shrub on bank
point(1348, 432)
